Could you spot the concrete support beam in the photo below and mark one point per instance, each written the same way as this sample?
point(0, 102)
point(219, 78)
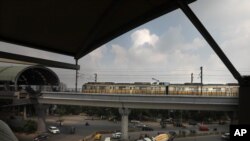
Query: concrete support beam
point(21, 59)
point(124, 123)
point(234, 117)
point(40, 111)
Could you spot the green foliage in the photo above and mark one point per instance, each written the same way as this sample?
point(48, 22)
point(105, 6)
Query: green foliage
point(68, 109)
point(30, 126)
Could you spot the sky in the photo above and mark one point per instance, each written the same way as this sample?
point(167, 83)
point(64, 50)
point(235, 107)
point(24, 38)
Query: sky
point(168, 48)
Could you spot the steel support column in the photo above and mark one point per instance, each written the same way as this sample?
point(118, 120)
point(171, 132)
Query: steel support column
point(244, 82)
point(244, 104)
point(199, 26)
point(76, 76)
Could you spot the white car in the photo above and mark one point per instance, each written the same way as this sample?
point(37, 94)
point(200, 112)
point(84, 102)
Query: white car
point(226, 136)
point(117, 135)
point(107, 139)
point(54, 130)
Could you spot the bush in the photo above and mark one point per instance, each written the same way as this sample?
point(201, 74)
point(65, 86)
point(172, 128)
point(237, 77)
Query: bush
point(30, 126)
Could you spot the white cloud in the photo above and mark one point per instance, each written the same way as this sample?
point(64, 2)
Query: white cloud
point(97, 54)
point(144, 48)
point(142, 37)
point(121, 55)
point(173, 49)
point(237, 46)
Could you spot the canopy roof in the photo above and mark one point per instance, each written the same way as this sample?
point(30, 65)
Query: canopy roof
point(28, 75)
point(76, 27)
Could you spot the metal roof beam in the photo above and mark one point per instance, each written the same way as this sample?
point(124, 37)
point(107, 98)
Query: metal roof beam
point(200, 27)
point(44, 62)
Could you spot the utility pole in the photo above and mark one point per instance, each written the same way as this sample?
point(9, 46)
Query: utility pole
point(201, 74)
point(192, 77)
point(95, 77)
point(76, 76)
point(201, 78)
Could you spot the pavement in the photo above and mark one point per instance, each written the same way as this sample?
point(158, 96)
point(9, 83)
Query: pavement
point(78, 122)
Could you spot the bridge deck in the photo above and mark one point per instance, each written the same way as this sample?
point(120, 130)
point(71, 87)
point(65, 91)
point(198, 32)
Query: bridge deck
point(142, 101)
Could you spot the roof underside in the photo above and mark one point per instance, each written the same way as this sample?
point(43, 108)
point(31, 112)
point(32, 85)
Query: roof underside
point(77, 27)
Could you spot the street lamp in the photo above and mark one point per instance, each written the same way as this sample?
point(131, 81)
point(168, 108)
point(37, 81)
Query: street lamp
point(156, 80)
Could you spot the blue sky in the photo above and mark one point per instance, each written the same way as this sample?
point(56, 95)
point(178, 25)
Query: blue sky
point(168, 48)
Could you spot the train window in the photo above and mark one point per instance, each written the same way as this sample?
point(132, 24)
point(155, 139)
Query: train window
point(101, 87)
point(122, 87)
point(217, 89)
point(143, 88)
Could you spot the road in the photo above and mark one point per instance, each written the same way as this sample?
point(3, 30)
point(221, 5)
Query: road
point(103, 125)
point(200, 138)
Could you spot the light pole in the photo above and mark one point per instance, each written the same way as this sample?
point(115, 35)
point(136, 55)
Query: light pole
point(156, 80)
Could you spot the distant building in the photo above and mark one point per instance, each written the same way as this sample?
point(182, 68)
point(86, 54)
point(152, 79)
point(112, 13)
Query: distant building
point(62, 87)
point(17, 78)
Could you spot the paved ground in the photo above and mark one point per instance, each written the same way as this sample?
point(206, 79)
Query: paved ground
point(103, 125)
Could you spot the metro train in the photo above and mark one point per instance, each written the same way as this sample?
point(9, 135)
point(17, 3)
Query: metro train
point(161, 88)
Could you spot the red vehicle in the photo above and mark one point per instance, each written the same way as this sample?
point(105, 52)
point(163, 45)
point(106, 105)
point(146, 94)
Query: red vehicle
point(203, 128)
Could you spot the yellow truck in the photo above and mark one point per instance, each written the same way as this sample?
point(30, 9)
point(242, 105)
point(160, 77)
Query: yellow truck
point(98, 137)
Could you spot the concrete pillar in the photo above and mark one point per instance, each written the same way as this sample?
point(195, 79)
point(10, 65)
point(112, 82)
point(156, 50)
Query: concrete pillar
point(244, 104)
point(234, 116)
point(124, 123)
point(40, 111)
point(47, 111)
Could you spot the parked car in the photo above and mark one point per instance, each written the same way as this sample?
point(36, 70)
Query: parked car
point(178, 124)
point(192, 131)
point(140, 125)
point(226, 136)
point(117, 135)
point(221, 122)
point(203, 128)
point(41, 137)
point(53, 130)
point(192, 122)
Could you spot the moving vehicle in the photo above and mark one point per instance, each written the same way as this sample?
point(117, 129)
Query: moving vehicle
point(53, 130)
point(226, 136)
point(116, 135)
point(86, 124)
point(41, 137)
point(98, 136)
point(107, 139)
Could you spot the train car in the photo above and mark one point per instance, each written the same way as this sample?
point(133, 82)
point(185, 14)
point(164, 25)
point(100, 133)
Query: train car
point(125, 88)
point(161, 88)
point(204, 89)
